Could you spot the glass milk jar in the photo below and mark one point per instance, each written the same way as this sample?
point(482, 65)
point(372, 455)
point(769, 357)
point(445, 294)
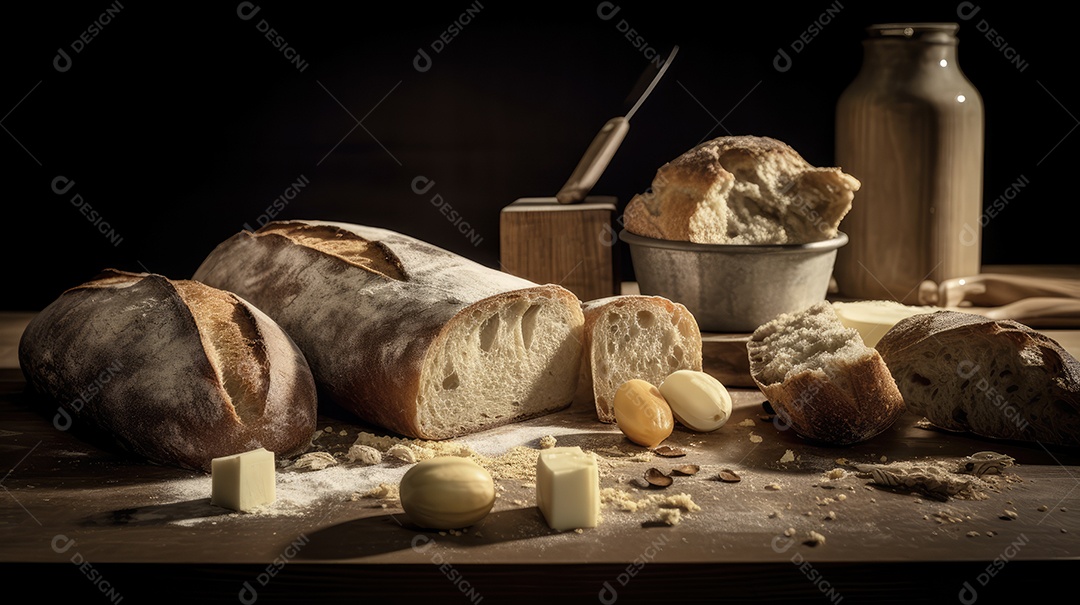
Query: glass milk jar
point(910, 128)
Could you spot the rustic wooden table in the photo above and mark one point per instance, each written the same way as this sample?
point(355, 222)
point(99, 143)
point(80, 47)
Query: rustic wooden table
point(79, 519)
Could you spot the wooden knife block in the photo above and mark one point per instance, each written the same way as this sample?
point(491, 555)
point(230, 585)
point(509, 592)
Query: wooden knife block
point(572, 245)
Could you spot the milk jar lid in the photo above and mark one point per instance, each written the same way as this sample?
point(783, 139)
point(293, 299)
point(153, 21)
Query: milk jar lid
point(922, 31)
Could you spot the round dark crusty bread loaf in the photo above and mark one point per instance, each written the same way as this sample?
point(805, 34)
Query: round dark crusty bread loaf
point(408, 336)
point(174, 371)
point(994, 378)
point(821, 378)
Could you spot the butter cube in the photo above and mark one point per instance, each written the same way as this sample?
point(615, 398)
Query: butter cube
point(568, 488)
point(243, 481)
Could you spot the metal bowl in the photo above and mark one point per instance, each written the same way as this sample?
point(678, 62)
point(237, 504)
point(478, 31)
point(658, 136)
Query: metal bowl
point(731, 287)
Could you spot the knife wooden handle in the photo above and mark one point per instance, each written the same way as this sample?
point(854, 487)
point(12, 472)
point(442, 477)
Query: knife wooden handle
point(594, 162)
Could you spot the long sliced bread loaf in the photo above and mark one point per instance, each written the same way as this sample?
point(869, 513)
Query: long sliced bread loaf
point(408, 336)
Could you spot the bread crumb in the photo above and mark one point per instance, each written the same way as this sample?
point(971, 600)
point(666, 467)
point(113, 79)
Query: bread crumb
point(315, 461)
point(830, 516)
point(547, 441)
point(1009, 515)
point(788, 456)
point(671, 516)
point(774, 515)
point(842, 497)
point(383, 491)
point(973, 534)
point(842, 461)
point(1064, 531)
point(991, 534)
point(329, 429)
point(1043, 508)
point(579, 531)
point(884, 459)
point(754, 438)
point(625, 501)
point(402, 452)
point(789, 532)
point(773, 487)
point(834, 474)
point(814, 539)
point(344, 433)
point(747, 422)
point(364, 455)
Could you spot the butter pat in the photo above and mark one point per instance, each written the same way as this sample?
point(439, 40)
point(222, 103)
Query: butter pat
point(873, 318)
point(243, 481)
point(568, 488)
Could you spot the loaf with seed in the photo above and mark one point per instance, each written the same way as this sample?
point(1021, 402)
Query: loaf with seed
point(994, 378)
point(634, 336)
point(408, 336)
point(174, 371)
point(821, 378)
point(742, 190)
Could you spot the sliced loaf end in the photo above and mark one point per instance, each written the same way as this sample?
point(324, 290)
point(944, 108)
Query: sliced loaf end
point(643, 337)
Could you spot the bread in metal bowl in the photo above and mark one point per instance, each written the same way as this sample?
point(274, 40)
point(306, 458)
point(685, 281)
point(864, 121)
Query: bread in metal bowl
point(821, 378)
point(742, 190)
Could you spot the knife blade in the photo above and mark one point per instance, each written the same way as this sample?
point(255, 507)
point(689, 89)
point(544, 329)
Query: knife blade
point(604, 145)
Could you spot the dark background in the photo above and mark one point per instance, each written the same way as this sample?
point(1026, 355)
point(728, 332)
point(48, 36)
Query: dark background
point(180, 123)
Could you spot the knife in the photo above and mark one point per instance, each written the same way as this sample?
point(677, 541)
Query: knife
point(607, 141)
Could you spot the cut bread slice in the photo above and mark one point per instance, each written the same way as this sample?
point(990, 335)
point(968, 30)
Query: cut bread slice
point(998, 379)
point(821, 378)
point(408, 336)
point(634, 336)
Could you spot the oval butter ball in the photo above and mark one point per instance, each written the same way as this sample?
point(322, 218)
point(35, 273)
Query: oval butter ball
point(698, 400)
point(642, 414)
point(447, 492)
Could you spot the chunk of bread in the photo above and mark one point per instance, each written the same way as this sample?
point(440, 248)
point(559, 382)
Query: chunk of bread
point(742, 190)
point(634, 336)
point(994, 378)
point(408, 336)
point(174, 371)
point(821, 378)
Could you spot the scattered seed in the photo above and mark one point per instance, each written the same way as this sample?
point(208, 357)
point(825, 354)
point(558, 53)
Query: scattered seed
point(669, 452)
point(729, 476)
point(686, 470)
point(1043, 508)
point(973, 534)
point(830, 516)
point(789, 532)
point(773, 487)
point(1009, 515)
point(656, 478)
